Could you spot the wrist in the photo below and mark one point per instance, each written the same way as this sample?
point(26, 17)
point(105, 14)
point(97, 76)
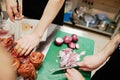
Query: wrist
point(36, 34)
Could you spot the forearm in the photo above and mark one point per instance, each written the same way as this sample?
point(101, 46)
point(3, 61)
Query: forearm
point(4, 56)
point(109, 48)
point(50, 12)
point(6, 68)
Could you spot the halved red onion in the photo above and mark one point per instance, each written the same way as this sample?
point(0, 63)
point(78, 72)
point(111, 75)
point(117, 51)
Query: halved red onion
point(74, 38)
point(58, 41)
point(67, 39)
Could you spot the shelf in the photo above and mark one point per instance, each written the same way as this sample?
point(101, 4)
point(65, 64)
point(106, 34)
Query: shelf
point(110, 9)
point(89, 28)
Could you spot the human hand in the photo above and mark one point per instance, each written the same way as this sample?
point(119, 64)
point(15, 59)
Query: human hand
point(13, 10)
point(73, 74)
point(25, 44)
point(90, 62)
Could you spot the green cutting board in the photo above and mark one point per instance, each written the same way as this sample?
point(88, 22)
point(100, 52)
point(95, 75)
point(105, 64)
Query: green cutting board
point(51, 60)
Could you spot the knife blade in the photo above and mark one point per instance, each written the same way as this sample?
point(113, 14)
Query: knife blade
point(61, 70)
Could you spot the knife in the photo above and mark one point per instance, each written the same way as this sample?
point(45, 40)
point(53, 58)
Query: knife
point(62, 70)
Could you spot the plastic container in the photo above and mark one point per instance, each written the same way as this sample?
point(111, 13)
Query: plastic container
point(6, 36)
point(67, 16)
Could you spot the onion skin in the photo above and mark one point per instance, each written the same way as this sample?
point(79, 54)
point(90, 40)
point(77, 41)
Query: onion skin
point(67, 39)
point(58, 41)
point(71, 45)
point(74, 38)
point(36, 59)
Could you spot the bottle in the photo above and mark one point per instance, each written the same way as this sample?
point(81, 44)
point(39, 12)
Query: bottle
point(68, 6)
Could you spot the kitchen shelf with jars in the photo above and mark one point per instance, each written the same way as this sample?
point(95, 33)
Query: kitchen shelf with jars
point(87, 17)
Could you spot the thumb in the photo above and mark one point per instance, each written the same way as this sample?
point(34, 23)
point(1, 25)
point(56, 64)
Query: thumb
point(80, 63)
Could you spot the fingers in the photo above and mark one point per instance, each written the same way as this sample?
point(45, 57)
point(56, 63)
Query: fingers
point(14, 11)
point(68, 76)
point(28, 51)
point(11, 15)
point(80, 64)
point(19, 15)
point(23, 50)
point(26, 46)
point(73, 74)
point(83, 66)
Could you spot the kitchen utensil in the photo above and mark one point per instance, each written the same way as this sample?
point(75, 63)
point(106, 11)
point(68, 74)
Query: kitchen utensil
point(88, 18)
point(54, 71)
point(101, 16)
point(77, 15)
point(103, 25)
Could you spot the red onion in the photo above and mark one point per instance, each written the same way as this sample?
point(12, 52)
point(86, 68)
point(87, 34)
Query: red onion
point(74, 38)
point(71, 45)
point(58, 41)
point(67, 39)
